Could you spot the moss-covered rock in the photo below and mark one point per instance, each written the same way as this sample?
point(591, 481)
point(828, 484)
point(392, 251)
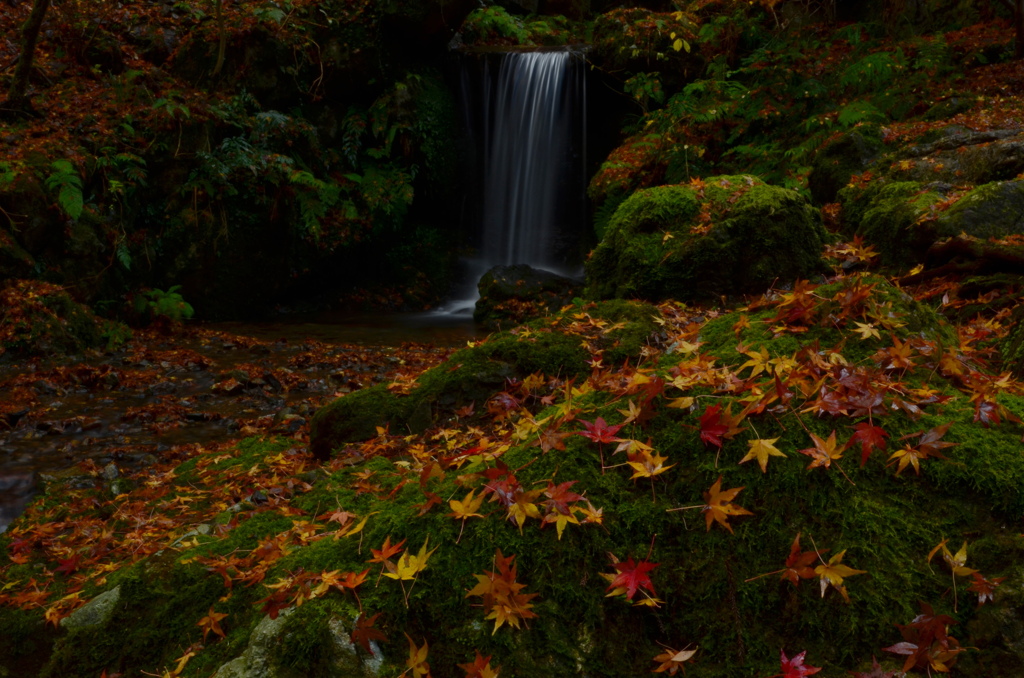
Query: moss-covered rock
point(511, 295)
point(851, 153)
point(472, 375)
point(959, 156)
point(993, 210)
point(37, 317)
point(890, 216)
point(725, 235)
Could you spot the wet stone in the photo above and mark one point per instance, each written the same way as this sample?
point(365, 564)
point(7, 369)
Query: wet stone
point(95, 613)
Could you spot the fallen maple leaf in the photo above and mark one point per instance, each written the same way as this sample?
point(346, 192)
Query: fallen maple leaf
point(599, 431)
point(795, 668)
point(648, 465)
point(712, 428)
point(211, 622)
point(798, 565)
point(926, 643)
point(985, 588)
point(417, 661)
point(824, 452)
point(870, 437)
point(480, 667)
point(761, 449)
point(364, 632)
point(631, 577)
point(502, 598)
point(386, 551)
point(832, 574)
point(467, 508)
point(957, 563)
point(409, 566)
point(672, 661)
point(718, 505)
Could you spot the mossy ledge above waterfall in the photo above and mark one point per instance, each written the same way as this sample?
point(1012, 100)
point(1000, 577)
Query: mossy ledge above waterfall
point(594, 447)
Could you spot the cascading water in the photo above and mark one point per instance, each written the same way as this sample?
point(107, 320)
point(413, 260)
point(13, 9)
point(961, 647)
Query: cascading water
point(526, 129)
point(532, 118)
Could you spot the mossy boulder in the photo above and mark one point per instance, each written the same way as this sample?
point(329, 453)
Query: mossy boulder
point(851, 153)
point(903, 219)
point(472, 375)
point(510, 295)
point(993, 210)
point(890, 215)
point(960, 156)
point(39, 318)
point(723, 236)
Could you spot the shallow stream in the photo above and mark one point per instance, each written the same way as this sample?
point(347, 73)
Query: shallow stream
point(208, 383)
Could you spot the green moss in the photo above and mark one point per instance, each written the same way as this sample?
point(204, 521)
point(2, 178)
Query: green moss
point(473, 374)
point(993, 210)
point(37, 317)
point(655, 247)
point(314, 637)
point(851, 153)
point(892, 222)
point(25, 643)
point(160, 605)
point(912, 317)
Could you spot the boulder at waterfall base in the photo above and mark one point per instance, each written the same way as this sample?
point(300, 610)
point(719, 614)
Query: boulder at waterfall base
point(511, 295)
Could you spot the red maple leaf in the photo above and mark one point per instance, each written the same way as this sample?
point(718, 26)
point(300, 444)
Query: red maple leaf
point(794, 668)
point(632, 576)
point(870, 437)
point(599, 431)
point(712, 428)
point(364, 632)
point(70, 565)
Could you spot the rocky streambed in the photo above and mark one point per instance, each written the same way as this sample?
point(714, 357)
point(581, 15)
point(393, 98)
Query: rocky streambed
point(88, 418)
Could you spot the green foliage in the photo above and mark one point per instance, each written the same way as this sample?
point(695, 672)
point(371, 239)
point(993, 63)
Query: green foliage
point(669, 242)
point(645, 88)
point(8, 174)
point(874, 72)
point(489, 25)
point(859, 111)
point(168, 305)
point(65, 181)
point(933, 55)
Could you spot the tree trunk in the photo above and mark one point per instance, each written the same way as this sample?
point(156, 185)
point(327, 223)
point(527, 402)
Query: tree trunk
point(222, 43)
point(17, 96)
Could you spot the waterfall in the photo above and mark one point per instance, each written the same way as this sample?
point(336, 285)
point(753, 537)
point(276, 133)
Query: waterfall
point(524, 114)
point(532, 117)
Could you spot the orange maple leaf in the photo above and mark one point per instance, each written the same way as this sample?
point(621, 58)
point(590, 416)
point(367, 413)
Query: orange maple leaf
point(718, 505)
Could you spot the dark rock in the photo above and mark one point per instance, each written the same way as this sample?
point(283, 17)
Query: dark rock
point(510, 295)
point(834, 164)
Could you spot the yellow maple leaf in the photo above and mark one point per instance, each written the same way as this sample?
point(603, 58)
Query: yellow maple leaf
point(417, 661)
point(718, 505)
point(758, 363)
point(761, 449)
point(467, 508)
point(648, 465)
point(866, 331)
point(832, 574)
point(409, 566)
